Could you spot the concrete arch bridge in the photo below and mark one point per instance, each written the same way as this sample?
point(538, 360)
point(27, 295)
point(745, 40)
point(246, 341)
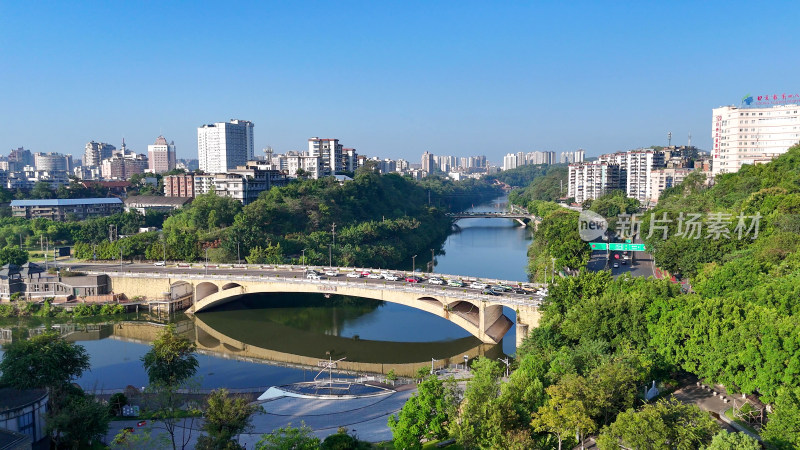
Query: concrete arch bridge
point(480, 315)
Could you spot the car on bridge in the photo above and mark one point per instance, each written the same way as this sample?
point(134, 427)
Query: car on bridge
point(332, 273)
point(490, 292)
point(354, 275)
point(375, 276)
point(504, 287)
point(435, 280)
point(160, 263)
point(313, 276)
point(520, 291)
point(455, 283)
point(413, 279)
point(391, 277)
point(478, 285)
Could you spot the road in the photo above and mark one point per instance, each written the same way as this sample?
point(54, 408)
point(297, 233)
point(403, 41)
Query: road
point(640, 266)
point(295, 272)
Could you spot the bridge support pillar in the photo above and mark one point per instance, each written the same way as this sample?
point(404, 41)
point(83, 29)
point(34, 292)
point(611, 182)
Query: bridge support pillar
point(527, 317)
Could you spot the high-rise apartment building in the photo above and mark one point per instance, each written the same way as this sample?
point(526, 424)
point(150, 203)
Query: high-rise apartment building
point(576, 156)
point(223, 146)
point(161, 155)
point(510, 161)
point(19, 158)
point(640, 165)
point(591, 180)
point(123, 164)
point(96, 152)
point(761, 129)
point(330, 152)
point(428, 162)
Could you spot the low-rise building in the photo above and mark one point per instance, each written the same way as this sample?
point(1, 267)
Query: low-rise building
point(144, 203)
point(244, 183)
point(181, 185)
point(62, 209)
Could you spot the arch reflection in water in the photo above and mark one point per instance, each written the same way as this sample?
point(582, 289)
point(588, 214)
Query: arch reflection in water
point(305, 329)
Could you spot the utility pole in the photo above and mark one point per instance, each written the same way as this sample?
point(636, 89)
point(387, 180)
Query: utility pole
point(330, 255)
point(304, 257)
point(238, 254)
point(333, 233)
point(432, 260)
point(505, 360)
point(413, 263)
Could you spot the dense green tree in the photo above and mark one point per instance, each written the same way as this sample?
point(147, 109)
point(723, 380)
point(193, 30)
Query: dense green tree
point(479, 399)
point(667, 424)
point(171, 360)
point(423, 416)
point(733, 441)
point(13, 255)
point(289, 438)
point(783, 427)
point(567, 412)
point(225, 417)
point(81, 423)
point(43, 361)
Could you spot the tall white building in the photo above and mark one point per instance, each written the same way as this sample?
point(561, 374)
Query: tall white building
point(757, 132)
point(161, 156)
point(510, 161)
point(330, 151)
point(591, 180)
point(640, 166)
point(96, 152)
point(224, 146)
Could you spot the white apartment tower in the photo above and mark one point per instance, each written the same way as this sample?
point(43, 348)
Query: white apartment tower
point(757, 132)
point(96, 152)
point(161, 156)
point(223, 146)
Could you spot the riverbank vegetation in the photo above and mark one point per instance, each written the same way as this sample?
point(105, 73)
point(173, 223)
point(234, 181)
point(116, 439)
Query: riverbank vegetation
point(21, 308)
point(547, 184)
point(601, 341)
point(376, 220)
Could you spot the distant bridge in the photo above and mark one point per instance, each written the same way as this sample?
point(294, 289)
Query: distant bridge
point(521, 217)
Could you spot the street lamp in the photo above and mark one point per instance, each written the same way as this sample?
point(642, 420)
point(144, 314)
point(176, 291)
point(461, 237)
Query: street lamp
point(505, 360)
point(238, 254)
point(413, 263)
point(432, 360)
point(330, 255)
point(466, 359)
point(304, 257)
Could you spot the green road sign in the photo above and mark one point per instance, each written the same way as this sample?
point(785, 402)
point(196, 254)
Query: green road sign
point(620, 247)
point(627, 247)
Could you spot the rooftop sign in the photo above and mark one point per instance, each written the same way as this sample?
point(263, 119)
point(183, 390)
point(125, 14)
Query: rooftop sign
point(765, 101)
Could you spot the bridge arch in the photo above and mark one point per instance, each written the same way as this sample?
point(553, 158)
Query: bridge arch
point(204, 289)
point(230, 285)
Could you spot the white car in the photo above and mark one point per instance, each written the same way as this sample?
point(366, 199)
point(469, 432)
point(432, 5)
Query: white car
point(160, 263)
point(332, 273)
point(391, 277)
point(313, 276)
point(374, 276)
point(436, 281)
point(354, 275)
point(478, 285)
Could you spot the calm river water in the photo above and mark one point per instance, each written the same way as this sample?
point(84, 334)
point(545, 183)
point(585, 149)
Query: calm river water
point(265, 340)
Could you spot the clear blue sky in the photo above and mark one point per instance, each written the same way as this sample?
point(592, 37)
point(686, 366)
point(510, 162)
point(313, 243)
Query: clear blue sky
point(392, 79)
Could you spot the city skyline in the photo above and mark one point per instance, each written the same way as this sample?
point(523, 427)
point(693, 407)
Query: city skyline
point(393, 81)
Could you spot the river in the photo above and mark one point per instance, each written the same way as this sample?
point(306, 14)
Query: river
point(265, 340)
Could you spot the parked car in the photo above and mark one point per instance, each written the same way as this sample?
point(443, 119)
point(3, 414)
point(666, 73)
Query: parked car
point(616, 265)
point(160, 263)
point(374, 276)
point(489, 292)
point(414, 279)
point(478, 285)
point(520, 291)
point(435, 280)
point(504, 287)
point(313, 276)
point(365, 274)
point(456, 283)
point(332, 273)
point(354, 275)
point(391, 277)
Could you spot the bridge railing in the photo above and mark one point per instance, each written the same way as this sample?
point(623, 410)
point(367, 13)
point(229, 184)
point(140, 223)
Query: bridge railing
point(453, 292)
